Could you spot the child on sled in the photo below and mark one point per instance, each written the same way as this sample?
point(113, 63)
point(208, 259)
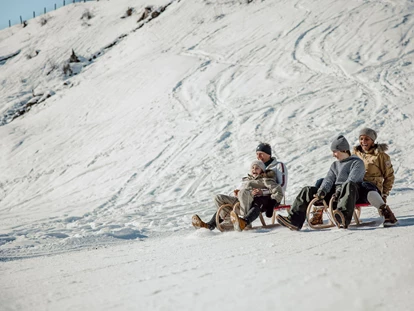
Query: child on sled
point(257, 193)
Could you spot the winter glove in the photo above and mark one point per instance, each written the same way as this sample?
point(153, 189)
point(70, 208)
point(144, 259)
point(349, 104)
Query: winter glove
point(337, 193)
point(320, 194)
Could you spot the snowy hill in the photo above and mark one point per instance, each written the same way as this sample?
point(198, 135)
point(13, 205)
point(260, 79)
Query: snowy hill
point(160, 115)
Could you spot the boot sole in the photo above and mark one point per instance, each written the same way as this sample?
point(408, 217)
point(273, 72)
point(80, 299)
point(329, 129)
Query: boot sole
point(390, 224)
point(286, 224)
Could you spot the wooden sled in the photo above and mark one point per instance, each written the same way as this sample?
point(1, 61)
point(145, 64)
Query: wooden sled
point(316, 204)
point(226, 224)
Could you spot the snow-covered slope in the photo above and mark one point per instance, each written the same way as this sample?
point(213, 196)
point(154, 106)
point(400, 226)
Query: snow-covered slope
point(165, 113)
point(157, 124)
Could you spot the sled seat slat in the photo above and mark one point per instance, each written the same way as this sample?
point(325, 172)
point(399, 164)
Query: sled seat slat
point(283, 206)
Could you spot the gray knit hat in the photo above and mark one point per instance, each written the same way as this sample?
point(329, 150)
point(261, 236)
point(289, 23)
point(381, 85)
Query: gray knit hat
point(340, 143)
point(368, 132)
point(259, 164)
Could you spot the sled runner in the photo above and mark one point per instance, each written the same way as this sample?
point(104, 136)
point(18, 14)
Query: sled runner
point(317, 205)
point(226, 224)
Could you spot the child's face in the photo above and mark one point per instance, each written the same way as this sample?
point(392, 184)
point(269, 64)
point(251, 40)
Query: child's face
point(256, 170)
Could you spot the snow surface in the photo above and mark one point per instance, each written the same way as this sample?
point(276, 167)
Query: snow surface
point(100, 178)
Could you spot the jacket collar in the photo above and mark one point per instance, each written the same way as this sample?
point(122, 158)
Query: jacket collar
point(376, 149)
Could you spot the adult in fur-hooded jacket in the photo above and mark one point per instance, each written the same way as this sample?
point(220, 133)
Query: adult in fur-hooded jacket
point(378, 167)
point(379, 173)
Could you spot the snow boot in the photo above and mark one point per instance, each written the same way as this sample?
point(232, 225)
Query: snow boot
point(198, 223)
point(339, 219)
point(389, 218)
point(316, 219)
point(239, 224)
point(286, 222)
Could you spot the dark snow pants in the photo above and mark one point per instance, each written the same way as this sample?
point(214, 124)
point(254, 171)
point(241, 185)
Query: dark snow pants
point(346, 202)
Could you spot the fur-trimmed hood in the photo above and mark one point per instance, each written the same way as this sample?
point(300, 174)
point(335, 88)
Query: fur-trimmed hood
point(270, 174)
point(377, 148)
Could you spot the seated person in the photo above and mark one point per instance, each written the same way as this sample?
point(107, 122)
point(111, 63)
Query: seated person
point(251, 198)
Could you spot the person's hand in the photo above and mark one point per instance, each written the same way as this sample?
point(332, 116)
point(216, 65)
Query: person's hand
point(320, 194)
point(257, 192)
point(236, 192)
point(337, 194)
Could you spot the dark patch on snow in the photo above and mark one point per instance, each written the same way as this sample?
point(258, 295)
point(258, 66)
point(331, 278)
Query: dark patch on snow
point(127, 234)
point(150, 12)
point(179, 84)
point(58, 235)
point(4, 59)
point(404, 21)
point(224, 136)
point(71, 219)
point(24, 106)
point(4, 238)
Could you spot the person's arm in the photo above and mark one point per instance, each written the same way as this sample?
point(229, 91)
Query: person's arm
point(357, 172)
point(265, 191)
point(275, 190)
point(328, 181)
point(281, 167)
point(387, 172)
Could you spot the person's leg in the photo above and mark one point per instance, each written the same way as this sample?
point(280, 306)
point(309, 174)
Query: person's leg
point(266, 204)
point(252, 214)
point(245, 198)
point(220, 200)
point(346, 201)
point(369, 193)
point(212, 224)
point(240, 223)
point(297, 213)
point(375, 199)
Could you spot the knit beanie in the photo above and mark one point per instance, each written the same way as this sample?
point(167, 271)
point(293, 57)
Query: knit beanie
point(263, 147)
point(259, 164)
point(368, 132)
point(340, 144)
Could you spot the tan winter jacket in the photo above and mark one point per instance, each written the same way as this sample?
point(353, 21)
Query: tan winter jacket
point(265, 181)
point(378, 167)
